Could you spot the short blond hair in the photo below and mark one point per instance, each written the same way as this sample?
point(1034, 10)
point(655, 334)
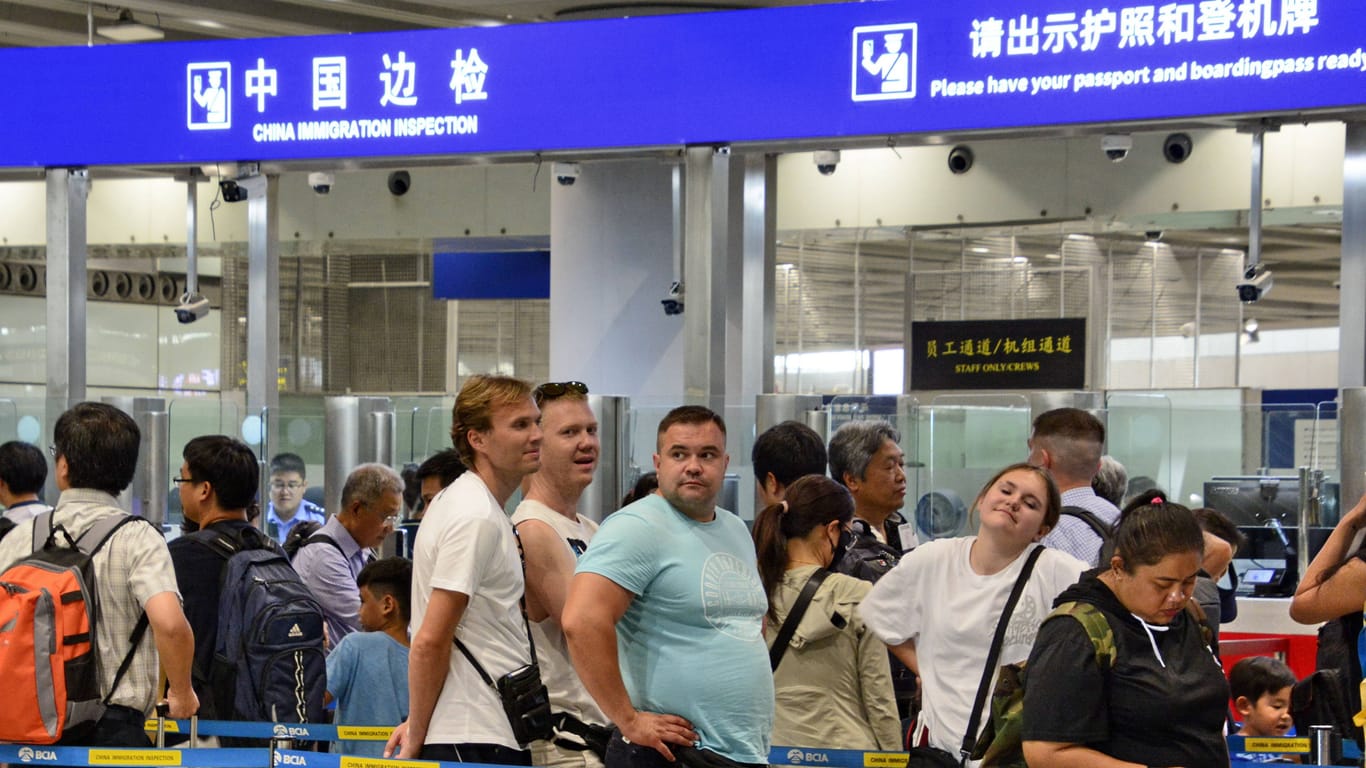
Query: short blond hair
point(475, 404)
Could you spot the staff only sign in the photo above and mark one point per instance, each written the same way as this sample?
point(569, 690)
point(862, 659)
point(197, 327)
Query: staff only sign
point(999, 354)
point(849, 69)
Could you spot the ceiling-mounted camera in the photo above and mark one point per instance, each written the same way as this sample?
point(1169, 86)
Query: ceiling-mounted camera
point(1255, 285)
point(399, 183)
point(960, 159)
point(322, 181)
point(192, 307)
point(673, 302)
point(1176, 147)
point(239, 189)
point(567, 173)
point(1116, 146)
point(826, 160)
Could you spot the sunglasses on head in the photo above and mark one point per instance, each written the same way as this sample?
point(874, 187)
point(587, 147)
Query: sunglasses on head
point(553, 389)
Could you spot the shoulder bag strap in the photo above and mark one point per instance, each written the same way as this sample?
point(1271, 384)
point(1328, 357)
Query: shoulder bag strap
point(794, 617)
point(525, 621)
point(993, 655)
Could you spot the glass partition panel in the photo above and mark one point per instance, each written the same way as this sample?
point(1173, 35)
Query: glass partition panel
point(9, 420)
point(1139, 436)
point(301, 423)
point(186, 419)
point(422, 427)
point(1324, 458)
point(963, 441)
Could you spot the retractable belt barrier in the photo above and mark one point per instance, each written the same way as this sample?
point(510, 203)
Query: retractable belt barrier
point(261, 757)
point(295, 731)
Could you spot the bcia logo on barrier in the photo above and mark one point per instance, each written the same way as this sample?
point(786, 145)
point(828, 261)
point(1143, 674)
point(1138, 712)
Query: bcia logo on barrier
point(884, 62)
point(27, 754)
point(283, 759)
point(798, 757)
point(287, 731)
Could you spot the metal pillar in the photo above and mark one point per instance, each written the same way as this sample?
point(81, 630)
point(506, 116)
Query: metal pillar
point(67, 190)
point(1352, 312)
point(705, 245)
point(1352, 442)
point(263, 319)
point(760, 220)
point(611, 480)
point(728, 221)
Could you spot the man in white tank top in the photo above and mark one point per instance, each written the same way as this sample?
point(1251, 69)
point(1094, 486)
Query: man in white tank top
point(553, 536)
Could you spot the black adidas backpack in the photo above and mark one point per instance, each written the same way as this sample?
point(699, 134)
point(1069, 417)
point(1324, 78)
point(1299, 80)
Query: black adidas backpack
point(268, 661)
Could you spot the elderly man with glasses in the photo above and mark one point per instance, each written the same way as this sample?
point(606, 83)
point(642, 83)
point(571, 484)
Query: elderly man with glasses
point(330, 560)
point(288, 507)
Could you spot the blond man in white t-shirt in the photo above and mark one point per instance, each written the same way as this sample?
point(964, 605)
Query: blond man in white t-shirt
point(553, 536)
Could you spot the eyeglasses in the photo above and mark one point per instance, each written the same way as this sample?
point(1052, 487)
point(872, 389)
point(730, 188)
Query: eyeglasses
point(291, 486)
point(179, 480)
point(552, 389)
point(392, 521)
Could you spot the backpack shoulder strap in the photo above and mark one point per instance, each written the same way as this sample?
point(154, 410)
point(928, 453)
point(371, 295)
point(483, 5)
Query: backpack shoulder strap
point(322, 538)
point(1097, 629)
point(1095, 523)
point(102, 529)
point(42, 528)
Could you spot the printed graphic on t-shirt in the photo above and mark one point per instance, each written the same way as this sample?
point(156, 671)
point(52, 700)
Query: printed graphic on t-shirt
point(732, 597)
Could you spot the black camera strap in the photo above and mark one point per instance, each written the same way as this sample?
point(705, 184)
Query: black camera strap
point(794, 617)
point(994, 654)
point(526, 621)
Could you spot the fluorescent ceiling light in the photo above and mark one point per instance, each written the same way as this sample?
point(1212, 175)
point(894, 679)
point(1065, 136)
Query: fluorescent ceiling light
point(129, 30)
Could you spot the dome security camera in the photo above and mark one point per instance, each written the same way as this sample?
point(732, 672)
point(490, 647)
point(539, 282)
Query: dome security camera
point(399, 183)
point(322, 181)
point(567, 173)
point(826, 160)
point(1116, 146)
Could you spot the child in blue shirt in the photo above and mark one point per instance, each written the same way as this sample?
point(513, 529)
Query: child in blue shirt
point(1260, 686)
point(367, 673)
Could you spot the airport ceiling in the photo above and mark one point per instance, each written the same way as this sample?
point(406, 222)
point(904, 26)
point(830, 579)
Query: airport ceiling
point(70, 22)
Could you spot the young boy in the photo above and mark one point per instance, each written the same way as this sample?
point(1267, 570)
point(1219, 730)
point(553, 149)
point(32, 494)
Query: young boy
point(1260, 686)
point(367, 673)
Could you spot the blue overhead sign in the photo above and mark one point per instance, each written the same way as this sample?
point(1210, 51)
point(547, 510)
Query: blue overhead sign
point(857, 69)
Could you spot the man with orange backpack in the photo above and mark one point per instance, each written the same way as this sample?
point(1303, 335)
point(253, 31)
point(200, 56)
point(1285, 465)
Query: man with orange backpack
point(114, 576)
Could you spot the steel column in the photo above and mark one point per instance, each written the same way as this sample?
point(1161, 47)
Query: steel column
point(67, 190)
point(263, 318)
point(1352, 311)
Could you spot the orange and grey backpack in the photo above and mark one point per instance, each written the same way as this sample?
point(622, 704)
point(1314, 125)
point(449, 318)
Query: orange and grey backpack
point(49, 659)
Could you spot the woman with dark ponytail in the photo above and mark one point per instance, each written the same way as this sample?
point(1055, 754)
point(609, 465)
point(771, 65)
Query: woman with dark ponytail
point(833, 680)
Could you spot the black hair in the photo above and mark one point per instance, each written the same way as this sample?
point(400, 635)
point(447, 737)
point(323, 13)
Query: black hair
point(788, 450)
point(227, 465)
point(810, 502)
point(1257, 675)
point(412, 487)
point(443, 464)
point(23, 467)
point(390, 576)
point(691, 415)
point(1151, 527)
point(645, 485)
point(288, 462)
point(1214, 522)
point(100, 445)
point(1074, 437)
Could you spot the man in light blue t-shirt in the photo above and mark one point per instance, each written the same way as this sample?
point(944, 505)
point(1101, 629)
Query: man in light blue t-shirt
point(665, 613)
